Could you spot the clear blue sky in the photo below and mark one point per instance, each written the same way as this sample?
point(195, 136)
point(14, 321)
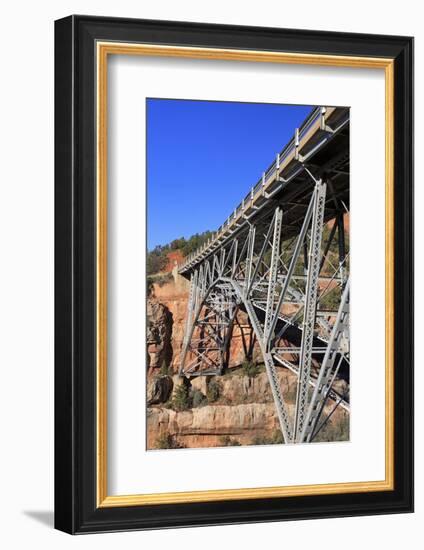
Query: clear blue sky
point(204, 156)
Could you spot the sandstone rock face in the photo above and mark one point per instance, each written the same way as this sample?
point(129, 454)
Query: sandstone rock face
point(200, 383)
point(159, 390)
point(243, 413)
point(178, 381)
point(206, 426)
point(159, 334)
point(174, 296)
point(255, 389)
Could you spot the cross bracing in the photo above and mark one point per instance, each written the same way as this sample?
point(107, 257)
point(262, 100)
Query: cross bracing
point(282, 260)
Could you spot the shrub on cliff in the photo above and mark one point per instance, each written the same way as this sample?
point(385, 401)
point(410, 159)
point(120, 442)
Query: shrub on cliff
point(165, 370)
point(181, 399)
point(213, 391)
point(337, 429)
point(161, 280)
point(168, 441)
point(198, 399)
point(275, 438)
point(250, 369)
point(156, 259)
point(227, 441)
point(331, 300)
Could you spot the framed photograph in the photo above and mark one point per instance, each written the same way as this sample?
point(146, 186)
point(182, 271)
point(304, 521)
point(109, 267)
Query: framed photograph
point(234, 274)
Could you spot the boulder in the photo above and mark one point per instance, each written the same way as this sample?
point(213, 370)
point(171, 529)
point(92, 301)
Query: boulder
point(159, 390)
point(200, 383)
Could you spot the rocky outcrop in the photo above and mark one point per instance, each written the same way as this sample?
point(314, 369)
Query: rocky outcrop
point(174, 296)
point(242, 412)
point(159, 390)
point(159, 335)
point(257, 389)
point(208, 426)
point(200, 383)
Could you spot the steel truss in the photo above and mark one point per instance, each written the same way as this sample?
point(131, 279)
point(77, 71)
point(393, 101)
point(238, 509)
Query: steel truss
point(285, 265)
point(251, 273)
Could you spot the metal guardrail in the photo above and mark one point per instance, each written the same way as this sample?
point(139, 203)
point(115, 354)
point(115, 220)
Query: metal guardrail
point(316, 114)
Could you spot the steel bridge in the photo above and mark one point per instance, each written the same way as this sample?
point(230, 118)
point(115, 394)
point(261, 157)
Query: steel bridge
point(282, 259)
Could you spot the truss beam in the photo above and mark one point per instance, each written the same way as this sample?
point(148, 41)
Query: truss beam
point(271, 263)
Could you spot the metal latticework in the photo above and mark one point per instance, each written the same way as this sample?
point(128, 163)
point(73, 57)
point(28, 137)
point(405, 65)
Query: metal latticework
point(314, 261)
point(282, 260)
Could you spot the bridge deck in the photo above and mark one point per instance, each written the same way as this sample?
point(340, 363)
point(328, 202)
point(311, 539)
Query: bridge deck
point(321, 145)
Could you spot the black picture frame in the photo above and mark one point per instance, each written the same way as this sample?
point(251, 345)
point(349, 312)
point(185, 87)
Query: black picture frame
point(76, 510)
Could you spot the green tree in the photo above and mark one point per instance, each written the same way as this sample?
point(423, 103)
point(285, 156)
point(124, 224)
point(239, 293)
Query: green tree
point(213, 390)
point(156, 259)
point(181, 400)
point(250, 368)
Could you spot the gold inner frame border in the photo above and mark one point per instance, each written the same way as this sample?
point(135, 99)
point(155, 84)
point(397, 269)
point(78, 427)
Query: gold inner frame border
point(103, 50)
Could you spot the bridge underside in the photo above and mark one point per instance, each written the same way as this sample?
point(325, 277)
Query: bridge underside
point(284, 265)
